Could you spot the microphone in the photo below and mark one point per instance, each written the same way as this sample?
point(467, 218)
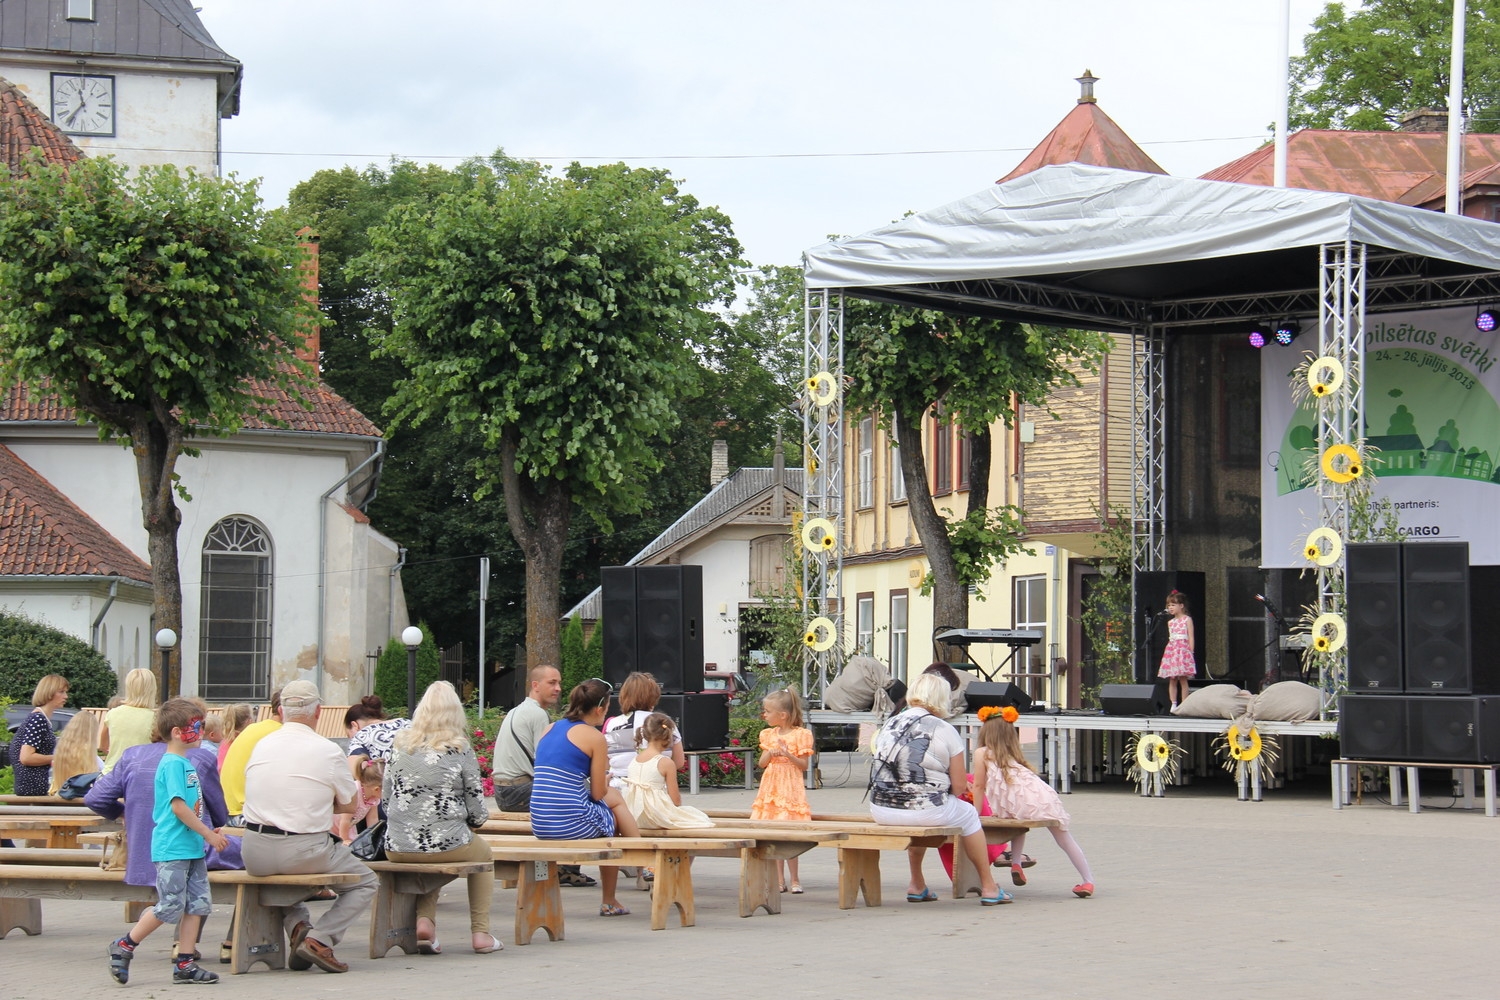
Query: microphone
point(1271, 607)
point(1164, 613)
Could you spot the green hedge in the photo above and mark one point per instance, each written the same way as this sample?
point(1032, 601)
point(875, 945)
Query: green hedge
point(29, 650)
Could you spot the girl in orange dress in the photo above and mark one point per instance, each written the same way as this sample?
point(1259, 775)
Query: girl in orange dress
point(785, 750)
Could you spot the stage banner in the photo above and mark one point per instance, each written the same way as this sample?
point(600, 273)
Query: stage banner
point(1431, 384)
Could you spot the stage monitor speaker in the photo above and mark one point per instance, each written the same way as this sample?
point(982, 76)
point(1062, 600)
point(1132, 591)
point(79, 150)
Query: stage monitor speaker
point(702, 719)
point(1374, 616)
point(1134, 699)
point(1435, 599)
point(1448, 730)
point(1372, 728)
point(617, 619)
point(981, 693)
point(1150, 589)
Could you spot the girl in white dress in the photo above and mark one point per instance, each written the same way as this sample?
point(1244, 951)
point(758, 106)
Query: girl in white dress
point(651, 791)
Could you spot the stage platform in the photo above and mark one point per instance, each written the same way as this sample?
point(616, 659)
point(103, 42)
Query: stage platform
point(1096, 743)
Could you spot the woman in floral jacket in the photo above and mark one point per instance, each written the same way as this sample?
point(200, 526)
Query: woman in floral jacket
point(434, 802)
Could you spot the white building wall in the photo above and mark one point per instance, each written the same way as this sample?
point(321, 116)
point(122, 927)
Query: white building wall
point(270, 482)
point(725, 558)
point(125, 624)
point(162, 114)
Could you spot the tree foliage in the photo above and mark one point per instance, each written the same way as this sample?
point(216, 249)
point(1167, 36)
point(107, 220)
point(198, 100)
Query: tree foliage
point(552, 319)
point(1367, 68)
point(29, 650)
point(901, 363)
point(161, 306)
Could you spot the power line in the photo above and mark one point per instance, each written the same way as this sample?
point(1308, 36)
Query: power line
point(711, 156)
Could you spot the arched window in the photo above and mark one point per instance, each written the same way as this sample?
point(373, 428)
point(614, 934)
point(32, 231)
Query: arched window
point(234, 650)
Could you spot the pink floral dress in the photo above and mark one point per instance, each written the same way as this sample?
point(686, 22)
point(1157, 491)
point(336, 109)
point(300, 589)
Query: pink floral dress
point(1177, 658)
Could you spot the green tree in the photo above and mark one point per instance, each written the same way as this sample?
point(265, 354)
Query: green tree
point(1368, 68)
point(553, 318)
point(160, 306)
point(902, 363)
point(29, 650)
point(573, 663)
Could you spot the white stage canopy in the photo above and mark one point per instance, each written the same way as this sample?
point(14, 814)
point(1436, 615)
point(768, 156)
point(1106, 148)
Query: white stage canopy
point(1118, 250)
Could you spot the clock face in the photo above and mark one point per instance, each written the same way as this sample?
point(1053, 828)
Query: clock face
point(83, 105)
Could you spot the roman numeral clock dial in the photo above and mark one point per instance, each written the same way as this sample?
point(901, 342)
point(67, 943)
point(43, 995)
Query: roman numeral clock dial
point(83, 105)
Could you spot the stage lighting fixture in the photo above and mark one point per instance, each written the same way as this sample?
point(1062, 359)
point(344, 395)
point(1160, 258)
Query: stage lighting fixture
point(1487, 319)
point(1286, 332)
point(1258, 337)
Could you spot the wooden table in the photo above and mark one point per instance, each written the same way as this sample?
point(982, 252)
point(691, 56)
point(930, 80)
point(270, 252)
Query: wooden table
point(57, 831)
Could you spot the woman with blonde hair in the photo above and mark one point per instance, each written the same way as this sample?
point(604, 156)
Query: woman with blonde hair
point(129, 724)
point(234, 720)
point(32, 746)
point(918, 776)
point(75, 752)
point(434, 802)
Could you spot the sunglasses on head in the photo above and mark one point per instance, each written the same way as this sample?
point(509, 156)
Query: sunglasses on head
point(609, 689)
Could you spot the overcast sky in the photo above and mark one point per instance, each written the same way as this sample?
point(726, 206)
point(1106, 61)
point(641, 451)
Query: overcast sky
point(798, 119)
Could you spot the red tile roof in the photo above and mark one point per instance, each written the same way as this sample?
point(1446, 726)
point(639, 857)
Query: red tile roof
point(43, 533)
point(1086, 135)
point(23, 127)
point(330, 413)
point(1404, 167)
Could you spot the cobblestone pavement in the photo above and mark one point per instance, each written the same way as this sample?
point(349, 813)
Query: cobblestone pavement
point(1198, 894)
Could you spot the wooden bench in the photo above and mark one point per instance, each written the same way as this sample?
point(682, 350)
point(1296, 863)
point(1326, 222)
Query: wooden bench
point(671, 857)
point(258, 900)
point(49, 856)
point(57, 831)
point(771, 844)
point(393, 917)
point(1413, 786)
point(51, 802)
point(859, 852)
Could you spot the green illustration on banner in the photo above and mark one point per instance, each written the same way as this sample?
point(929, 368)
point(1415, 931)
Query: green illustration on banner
point(1425, 415)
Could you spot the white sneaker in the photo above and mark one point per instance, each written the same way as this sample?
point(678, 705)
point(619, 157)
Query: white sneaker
point(1174, 709)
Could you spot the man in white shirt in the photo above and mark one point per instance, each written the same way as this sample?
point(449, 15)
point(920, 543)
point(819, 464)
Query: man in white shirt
point(295, 782)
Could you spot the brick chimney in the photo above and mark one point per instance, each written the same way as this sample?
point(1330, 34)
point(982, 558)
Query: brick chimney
point(718, 468)
point(1424, 120)
point(311, 347)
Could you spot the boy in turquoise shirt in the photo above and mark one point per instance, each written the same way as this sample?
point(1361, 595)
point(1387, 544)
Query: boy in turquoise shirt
point(177, 850)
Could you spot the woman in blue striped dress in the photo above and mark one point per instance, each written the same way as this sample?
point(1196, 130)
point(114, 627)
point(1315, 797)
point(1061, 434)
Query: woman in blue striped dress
point(571, 798)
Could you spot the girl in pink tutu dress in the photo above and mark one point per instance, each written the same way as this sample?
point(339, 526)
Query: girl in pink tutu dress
point(1004, 779)
point(1177, 663)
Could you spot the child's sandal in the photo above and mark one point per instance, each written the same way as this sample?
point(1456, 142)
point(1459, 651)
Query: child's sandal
point(1017, 875)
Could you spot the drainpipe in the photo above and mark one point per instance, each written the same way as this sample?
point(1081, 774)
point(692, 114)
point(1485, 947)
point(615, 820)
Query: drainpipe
point(390, 591)
point(375, 457)
point(114, 588)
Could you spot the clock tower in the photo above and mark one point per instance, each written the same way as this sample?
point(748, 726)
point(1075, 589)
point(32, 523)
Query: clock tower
point(141, 80)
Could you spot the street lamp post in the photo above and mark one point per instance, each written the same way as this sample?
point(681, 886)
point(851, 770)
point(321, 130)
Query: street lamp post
point(165, 640)
point(412, 637)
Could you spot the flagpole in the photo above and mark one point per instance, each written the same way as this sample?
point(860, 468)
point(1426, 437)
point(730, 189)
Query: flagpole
point(1456, 111)
point(1284, 70)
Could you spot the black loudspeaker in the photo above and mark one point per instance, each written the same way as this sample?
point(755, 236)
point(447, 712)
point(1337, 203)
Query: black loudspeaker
point(981, 693)
point(1134, 699)
point(1151, 589)
point(1373, 728)
point(1374, 618)
point(1435, 600)
point(702, 719)
point(669, 633)
point(617, 620)
point(1464, 730)
point(652, 617)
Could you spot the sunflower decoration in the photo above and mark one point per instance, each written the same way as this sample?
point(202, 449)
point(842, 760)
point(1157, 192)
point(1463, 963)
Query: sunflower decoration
point(1244, 749)
point(1341, 463)
point(1153, 759)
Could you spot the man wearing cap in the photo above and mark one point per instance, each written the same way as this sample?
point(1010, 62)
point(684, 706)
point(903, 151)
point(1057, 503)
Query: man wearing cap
point(295, 782)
